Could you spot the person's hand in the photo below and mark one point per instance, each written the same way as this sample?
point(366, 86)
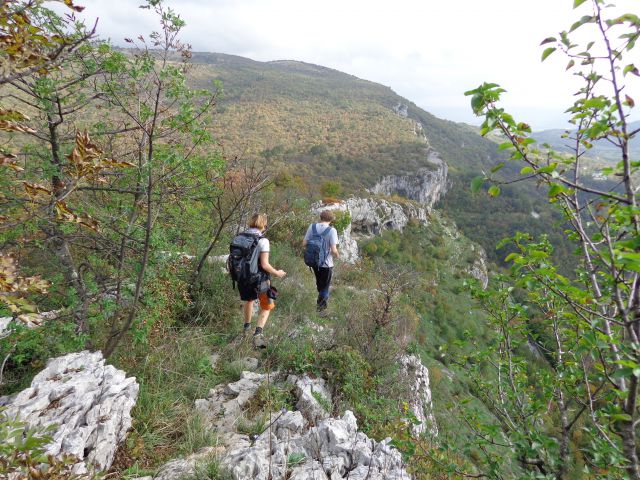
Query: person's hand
point(280, 273)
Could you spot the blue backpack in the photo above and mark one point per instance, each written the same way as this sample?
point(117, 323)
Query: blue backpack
point(318, 248)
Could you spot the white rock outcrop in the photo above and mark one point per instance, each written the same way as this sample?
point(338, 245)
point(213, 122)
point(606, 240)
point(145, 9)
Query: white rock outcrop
point(302, 444)
point(314, 399)
point(223, 408)
point(426, 186)
point(478, 269)
point(420, 402)
point(88, 402)
point(370, 216)
point(334, 449)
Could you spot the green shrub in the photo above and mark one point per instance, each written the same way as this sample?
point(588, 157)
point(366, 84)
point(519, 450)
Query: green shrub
point(23, 454)
point(342, 220)
point(28, 350)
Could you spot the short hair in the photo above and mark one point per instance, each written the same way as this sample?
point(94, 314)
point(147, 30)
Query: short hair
point(327, 216)
point(259, 221)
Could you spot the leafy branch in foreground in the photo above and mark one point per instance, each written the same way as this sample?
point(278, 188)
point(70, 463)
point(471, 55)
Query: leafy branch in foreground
point(577, 408)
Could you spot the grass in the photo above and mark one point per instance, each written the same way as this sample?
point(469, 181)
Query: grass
point(171, 374)
point(209, 470)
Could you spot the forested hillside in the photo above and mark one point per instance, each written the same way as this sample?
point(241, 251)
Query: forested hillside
point(322, 125)
point(126, 173)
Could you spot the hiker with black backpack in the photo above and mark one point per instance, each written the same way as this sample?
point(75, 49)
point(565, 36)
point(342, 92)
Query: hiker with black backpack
point(321, 245)
point(249, 267)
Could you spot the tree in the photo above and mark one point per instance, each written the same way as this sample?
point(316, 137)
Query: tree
point(580, 407)
point(29, 46)
point(170, 146)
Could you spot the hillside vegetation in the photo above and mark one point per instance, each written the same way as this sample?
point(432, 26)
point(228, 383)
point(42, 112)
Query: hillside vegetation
point(323, 125)
point(126, 173)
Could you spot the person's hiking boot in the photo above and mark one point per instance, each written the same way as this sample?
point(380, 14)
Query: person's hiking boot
point(258, 341)
point(246, 330)
point(321, 304)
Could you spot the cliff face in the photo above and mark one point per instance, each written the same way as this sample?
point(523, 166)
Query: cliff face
point(370, 216)
point(425, 186)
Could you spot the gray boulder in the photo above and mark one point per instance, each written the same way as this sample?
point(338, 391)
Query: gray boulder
point(88, 402)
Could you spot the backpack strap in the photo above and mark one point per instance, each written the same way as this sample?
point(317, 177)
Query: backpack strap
point(314, 229)
point(326, 231)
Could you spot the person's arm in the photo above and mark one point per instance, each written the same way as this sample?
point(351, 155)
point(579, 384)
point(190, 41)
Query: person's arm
point(266, 266)
point(334, 243)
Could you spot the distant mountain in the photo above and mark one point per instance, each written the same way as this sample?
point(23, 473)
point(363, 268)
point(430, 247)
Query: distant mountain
point(602, 150)
point(318, 124)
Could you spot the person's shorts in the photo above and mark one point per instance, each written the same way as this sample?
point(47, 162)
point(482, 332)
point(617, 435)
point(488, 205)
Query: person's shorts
point(250, 292)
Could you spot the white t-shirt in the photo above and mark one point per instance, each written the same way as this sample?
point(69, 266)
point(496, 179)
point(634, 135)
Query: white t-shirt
point(332, 239)
point(263, 243)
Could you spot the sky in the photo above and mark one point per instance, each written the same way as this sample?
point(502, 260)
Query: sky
point(429, 51)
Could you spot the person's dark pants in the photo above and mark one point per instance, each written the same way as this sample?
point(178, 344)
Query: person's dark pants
point(323, 282)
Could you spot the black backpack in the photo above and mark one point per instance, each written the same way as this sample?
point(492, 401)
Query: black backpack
point(317, 249)
point(242, 263)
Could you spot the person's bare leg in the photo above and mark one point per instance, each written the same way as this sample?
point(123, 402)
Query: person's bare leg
point(247, 310)
point(262, 318)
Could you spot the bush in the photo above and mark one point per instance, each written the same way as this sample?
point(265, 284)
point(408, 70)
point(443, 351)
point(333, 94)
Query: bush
point(23, 454)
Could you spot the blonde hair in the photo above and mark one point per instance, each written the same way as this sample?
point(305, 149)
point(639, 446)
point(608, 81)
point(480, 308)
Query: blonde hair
point(259, 221)
point(327, 216)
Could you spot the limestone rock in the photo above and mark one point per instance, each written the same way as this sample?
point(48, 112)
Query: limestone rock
point(246, 364)
point(186, 467)
point(313, 399)
point(89, 402)
point(478, 269)
point(370, 216)
point(425, 186)
point(224, 405)
point(420, 401)
point(332, 449)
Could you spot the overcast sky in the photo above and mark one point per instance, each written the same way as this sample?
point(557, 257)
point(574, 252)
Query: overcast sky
point(429, 51)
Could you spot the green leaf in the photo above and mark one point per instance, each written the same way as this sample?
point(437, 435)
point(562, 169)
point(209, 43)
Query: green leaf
point(548, 40)
point(547, 52)
point(505, 146)
point(511, 256)
point(526, 170)
point(548, 168)
point(555, 190)
point(497, 167)
point(477, 103)
point(476, 184)
point(570, 64)
point(624, 417)
point(582, 21)
point(494, 191)
point(577, 3)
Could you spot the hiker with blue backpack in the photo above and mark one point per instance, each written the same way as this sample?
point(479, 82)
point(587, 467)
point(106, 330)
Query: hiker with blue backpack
point(321, 246)
point(249, 267)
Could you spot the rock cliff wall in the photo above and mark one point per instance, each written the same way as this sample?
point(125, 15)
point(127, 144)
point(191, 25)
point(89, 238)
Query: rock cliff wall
point(426, 186)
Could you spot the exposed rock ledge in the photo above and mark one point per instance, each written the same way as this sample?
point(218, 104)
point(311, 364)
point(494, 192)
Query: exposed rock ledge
point(89, 402)
point(302, 444)
point(420, 401)
point(425, 186)
point(370, 216)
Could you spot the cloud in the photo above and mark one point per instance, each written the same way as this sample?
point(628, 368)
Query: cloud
point(429, 51)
